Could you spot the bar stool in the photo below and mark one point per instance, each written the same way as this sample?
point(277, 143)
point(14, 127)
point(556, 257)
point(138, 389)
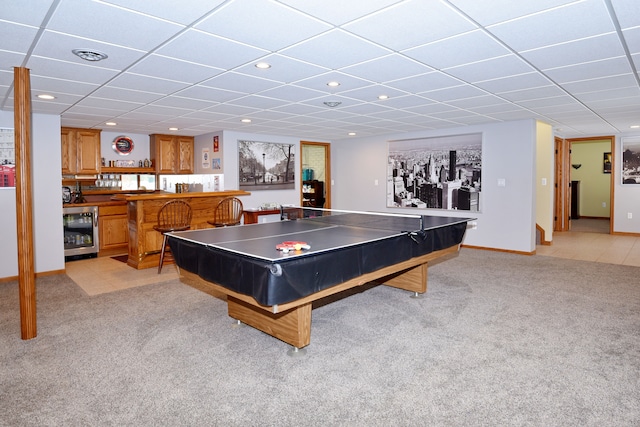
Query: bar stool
point(228, 212)
point(174, 215)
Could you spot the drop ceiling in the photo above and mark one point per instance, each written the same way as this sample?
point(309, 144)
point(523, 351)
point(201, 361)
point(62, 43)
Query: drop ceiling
point(441, 64)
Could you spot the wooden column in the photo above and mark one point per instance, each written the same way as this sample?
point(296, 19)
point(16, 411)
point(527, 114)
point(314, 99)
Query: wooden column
point(22, 131)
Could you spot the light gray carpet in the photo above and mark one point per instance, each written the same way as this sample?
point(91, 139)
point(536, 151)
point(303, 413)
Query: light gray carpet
point(499, 340)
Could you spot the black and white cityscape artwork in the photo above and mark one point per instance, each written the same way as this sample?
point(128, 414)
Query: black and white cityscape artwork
point(631, 160)
point(435, 173)
point(266, 165)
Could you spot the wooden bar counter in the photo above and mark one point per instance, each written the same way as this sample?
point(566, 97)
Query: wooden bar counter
point(142, 215)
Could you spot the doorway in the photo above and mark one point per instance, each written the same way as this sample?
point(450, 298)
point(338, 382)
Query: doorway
point(315, 170)
point(568, 186)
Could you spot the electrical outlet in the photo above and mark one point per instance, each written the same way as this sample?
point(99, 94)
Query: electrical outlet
point(604, 204)
point(629, 215)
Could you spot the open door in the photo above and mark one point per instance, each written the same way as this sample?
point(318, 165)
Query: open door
point(315, 170)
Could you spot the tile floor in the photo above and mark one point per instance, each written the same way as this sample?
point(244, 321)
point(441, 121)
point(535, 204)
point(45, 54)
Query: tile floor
point(589, 240)
point(104, 274)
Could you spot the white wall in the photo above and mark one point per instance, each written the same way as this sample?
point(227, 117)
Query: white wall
point(626, 197)
point(507, 217)
point(47, 200)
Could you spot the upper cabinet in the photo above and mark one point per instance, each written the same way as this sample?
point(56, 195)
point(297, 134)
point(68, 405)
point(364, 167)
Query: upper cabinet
point(171, 154)
point(80, 151)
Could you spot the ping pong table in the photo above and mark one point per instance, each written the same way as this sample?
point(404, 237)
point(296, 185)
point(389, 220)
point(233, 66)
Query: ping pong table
point(273, 290)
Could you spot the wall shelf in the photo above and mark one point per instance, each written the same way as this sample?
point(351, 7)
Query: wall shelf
point(149, 170)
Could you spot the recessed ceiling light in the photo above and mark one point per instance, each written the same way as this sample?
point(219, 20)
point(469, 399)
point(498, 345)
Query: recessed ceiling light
point(333, 84)
point(263, 65)
point(46, 96)
point(383, 97)
point(332, 103)
point(634, 126)
point(173, 128)
point(90, 55)
point(246, 120)
point(352, 134)
point(110, 123)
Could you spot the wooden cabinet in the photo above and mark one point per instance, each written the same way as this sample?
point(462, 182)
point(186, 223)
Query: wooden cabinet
point(171, 154)
point(313, 194)
point(80, 151)
point(113, 229)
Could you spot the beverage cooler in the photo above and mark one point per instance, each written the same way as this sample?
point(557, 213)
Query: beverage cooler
point(80, 231)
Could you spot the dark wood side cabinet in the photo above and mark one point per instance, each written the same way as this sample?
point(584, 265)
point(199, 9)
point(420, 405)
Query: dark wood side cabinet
point(313, 193)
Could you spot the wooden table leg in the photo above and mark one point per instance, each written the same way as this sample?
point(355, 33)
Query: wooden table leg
point(292, 326)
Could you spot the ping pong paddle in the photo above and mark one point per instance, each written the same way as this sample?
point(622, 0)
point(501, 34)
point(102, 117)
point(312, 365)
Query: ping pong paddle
point(292, 245)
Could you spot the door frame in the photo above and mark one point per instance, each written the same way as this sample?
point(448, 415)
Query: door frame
point(327, 171)
point(563, 177)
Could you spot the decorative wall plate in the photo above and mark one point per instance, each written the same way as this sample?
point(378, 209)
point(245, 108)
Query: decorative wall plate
point(122, 145)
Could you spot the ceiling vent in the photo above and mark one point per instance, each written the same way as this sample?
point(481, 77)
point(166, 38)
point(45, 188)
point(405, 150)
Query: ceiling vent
point(90, 55)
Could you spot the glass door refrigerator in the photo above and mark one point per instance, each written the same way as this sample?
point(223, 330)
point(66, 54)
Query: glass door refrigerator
point(80, 231)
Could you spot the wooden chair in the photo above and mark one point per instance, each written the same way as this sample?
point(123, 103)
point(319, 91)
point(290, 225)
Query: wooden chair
point(227, 212)
point(174, 215)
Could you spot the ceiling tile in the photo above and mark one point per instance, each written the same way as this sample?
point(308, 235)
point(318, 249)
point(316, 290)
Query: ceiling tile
point(138, 31)
point(516, 82)
point(69, 71)
point(338, 12)
point(451, 93)
point(410, 23)
point(602, 84)
point(589, 70)
point(495, 68)
point(420, 83)
point(632, 37)
point(504, 10)
point(55, 45)
point(292, 93)
point(254, 31)
point(209, 94)
point(173, 69)
point(146, 83)
point(16, 38)
point(573, 21)
point(387, 68)
point(335, 49)
point(576, 52)
point(240, 83)
point(188, 11)
point(283, 69)
point(627, 12)
point(219, 52)
point(472, 46)
point(534, 93)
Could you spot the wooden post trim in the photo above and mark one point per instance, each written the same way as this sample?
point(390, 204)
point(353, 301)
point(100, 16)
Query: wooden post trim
point(24, 208)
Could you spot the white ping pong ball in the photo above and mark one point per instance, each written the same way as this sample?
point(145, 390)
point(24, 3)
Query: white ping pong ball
point(285, 250)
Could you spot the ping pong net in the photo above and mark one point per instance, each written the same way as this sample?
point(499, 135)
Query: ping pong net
point(374, 220)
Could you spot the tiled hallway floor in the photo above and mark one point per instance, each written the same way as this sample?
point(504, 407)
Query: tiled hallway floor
point(589, 240)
